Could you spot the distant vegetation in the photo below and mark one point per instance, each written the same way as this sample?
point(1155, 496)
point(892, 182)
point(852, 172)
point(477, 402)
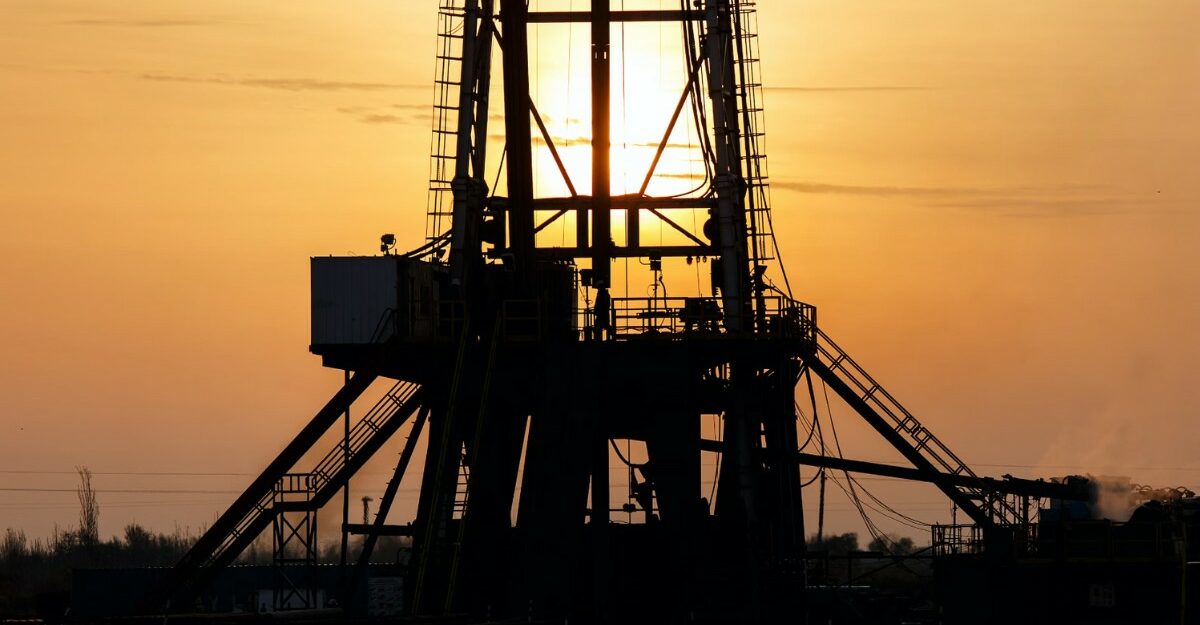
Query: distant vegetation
point(838, 560)
point(842, 544)
point(35, 575)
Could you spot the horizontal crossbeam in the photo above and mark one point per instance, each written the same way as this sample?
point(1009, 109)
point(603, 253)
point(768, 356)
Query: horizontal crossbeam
point(1009, 485)
point(623, 202)
point(567, 17)
point(663, 251)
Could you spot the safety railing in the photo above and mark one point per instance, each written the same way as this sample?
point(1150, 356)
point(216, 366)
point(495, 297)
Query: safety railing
point(951, 540)
point(1086, 539)
point(697, 317)
point(628, 318)
point(389, 406)
point(294, 488)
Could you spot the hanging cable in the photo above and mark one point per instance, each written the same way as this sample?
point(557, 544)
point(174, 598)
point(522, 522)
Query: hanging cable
point(500, 168)
point(624, 460)
point(854, 486)
point(819, 473)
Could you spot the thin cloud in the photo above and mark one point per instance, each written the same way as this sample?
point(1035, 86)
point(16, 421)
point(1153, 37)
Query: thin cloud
point(382, 118)
point(283, 84)
point(384, 115)
point(1060, 207)
point(1021, 201)
point(674, 145)
point(886, 191)
point(143, 23)
point(847, 89)
point(536, 137)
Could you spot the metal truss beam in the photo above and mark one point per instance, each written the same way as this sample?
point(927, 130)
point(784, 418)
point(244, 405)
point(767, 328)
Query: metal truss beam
point(568, 17)
point(562, 169)
point(624, 202)
point(633, 217)
point(631, 203)
point(1009, 485)
point(664, 251)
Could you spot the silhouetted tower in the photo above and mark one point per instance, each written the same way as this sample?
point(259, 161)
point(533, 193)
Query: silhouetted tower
point(533, 363)
point(516, 387)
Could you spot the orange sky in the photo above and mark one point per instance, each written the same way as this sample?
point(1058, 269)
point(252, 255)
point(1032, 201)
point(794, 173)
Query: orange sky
point(993, 204)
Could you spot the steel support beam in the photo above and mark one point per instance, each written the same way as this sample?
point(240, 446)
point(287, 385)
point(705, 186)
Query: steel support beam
point(379, 527)
point(665, 251)
point(470, 191)
point(730, 215)
point(570, 17)
point(517, 129)
point(620, 202)
point(1008, 485)
point(601, 191)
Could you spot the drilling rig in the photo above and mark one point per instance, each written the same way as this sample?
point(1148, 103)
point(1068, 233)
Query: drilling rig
point(523, 370)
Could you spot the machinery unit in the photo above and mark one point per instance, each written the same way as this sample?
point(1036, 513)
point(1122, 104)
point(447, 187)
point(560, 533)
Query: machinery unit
point(364, 300)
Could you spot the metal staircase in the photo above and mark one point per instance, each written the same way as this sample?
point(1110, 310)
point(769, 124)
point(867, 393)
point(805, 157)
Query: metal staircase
point(906, 433)
point(277, 491)
point(444, 141)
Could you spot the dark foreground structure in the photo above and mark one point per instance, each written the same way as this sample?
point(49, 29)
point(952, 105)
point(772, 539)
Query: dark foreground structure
point(511, 361)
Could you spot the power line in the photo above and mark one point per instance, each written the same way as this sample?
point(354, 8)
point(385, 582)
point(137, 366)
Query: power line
point(163, 473)
point(149, 491)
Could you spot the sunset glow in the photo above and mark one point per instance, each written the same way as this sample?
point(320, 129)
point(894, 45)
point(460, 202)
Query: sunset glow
point(996, 204)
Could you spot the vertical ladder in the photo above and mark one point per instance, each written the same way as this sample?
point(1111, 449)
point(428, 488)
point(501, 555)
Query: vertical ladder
point(748, 92)
point(444, 140)
point(462, 488)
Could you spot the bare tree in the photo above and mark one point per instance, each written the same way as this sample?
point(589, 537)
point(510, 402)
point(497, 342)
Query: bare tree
point(89, 508)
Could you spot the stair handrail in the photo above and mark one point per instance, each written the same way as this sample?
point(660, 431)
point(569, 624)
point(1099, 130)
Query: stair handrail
point(872, 391)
